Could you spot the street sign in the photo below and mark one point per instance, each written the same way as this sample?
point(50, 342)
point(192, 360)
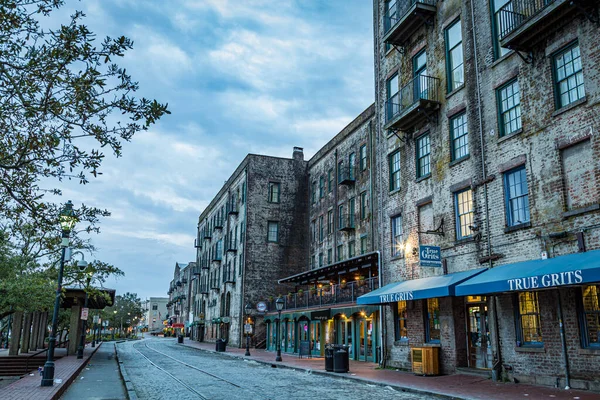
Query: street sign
point(430, 256)
point(247, 328)
point(96, 318)
point(261, 306)
point(84, 313)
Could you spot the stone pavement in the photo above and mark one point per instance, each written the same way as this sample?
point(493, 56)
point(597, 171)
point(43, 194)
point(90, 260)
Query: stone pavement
point(66, 369)
point(100, 379)
point(459, 386)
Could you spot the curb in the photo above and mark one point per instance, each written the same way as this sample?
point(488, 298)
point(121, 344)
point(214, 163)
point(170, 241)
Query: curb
point(335, 375)
point(63, 388)
point(131, 394)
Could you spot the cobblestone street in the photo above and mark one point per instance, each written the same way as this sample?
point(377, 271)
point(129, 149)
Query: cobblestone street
point(159, 369)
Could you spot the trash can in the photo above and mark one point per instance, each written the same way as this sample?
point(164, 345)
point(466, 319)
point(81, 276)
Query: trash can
point(341, 360)
point(221, 345)
point(329, 358)
point(180, 339)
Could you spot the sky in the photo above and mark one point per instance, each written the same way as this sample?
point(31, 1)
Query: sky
point(240, 76)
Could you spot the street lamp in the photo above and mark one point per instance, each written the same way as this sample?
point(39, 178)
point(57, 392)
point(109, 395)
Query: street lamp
point(83, 265)
point(248, 309)
point(114, 324)
point(279, 306)
point(67, 221)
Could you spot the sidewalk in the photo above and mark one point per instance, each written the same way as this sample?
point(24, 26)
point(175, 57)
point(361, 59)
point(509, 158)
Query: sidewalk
point(99, 379)
point(66, 369)
point(449, 386)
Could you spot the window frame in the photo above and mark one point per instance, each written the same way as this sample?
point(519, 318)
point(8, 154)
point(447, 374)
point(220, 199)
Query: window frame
point(431, 321)
point(394, 175)
point(508, 200)
point(321, 187)
point(519, 324)
point(362, 151)
point(276, 224)
point(398, 326)
point(340, 252)
point(272, 192)
point(340, 216)
point(582, 317)
point(457, 214)
point(449, 71)
point(330, 222)
point(364, 239)
point(321, 229)
point(501, 113)
point(352, 165)
point(351, 248)
point(454, 139)
point(330, 180)
point(363, 205)
point(556, 84)
point(419, 156)
point(396, 249)
point(340, 171)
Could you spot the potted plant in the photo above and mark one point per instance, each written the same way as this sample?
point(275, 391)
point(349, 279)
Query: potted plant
point(343, 284)
point(326, 287)
point(270, 298)
point(361, 281)
point(300, 292)
point(312, 291)
point(289, 295)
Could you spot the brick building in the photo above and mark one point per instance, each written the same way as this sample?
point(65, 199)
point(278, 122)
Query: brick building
point(179, 305)
point(320, 308)
point(487, 121)
point(248, 238)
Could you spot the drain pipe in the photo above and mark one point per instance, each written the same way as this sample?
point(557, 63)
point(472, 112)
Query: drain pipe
point(563, 341)
point(493, 308)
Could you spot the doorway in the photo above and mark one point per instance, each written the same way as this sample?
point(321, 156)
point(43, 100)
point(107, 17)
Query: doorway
point(478, 333)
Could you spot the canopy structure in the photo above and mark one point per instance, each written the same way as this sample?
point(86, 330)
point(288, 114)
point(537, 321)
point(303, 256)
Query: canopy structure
point(416, 289)
point(366, 261)
point(76, 296)
point(572, 269)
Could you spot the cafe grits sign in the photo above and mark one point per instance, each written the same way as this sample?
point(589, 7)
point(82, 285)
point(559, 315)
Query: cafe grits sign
point(546, 280)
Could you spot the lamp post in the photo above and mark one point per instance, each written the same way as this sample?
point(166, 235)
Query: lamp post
point(248, 309)
point(85, 305)
point(67, 220)
point(114, 324)
point(279, 306)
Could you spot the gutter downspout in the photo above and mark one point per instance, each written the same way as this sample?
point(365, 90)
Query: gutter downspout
point(496, 367)
point(243, 240)
point(563, 341)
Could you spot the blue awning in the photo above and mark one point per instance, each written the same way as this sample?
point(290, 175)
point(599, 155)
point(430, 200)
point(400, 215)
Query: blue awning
point(572, 269)
point(416, 289)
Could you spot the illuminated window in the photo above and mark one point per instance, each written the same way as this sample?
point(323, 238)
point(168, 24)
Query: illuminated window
point(464, 213)
point(397, 243)
point(432, 327)
point(401, 318)
point(590, 318)
point(529, 330)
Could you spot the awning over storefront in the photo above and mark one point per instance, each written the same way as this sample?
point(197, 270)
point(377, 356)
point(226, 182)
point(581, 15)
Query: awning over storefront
point(572, 269)
point(416, 289)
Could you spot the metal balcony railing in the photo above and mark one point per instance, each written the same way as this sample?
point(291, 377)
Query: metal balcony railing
point(398, 9)
point(420, 88)
point(347, 176)
point(336, 294)
point(516, 12)
point(346, 222)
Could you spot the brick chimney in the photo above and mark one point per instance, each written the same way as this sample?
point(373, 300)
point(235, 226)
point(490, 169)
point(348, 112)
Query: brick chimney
point(298, 154)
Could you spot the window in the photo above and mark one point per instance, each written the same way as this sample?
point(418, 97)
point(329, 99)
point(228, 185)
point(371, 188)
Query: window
point(329, 222)
point(581, 187)
point(312, 262)
point(420, 76)
point(243, 192)
point(455, 70)
point(154, 307)
point(517, 196)
point(321, 187)
point(314, 192)
point(363, 157)
point(394, 161)
point(568, 76)
point(364, 243)
point(529, 330)
point(219, 252)
point(499, 24)
point(351, 249)
point(329, 256)
point(509, 108)
point(340, 252)
point(320, 260)
point(330, 180)
point(423, 156)
point(340, 171)
point(351, 211)
point(352, 166)
point(321, 229)
point(401, 317)
point(464, 213)
point(274, 190)
point(273, 231)
point(364, 210)
point(459, 139)
point(432, 325)
point(313, 230)
point(397, 242)
point(590, 318)
point(340, 216)
point(393, 102)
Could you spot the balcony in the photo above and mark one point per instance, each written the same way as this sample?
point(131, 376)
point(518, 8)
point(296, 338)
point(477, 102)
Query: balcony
point(196, 271)
point(404, 17)
point(204, 290)
point(347, 177)
point(207, 234)
point(522, 24)
point(204, 264)
point(347, 222)
point(416, 102)
point(232, 209)
point(336, 294)
point(217, 259)
point(197, 243)
point(231, 248)
point(218, 224)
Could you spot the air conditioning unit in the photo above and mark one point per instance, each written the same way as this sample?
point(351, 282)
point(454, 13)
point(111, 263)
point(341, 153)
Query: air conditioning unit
point(425, 360)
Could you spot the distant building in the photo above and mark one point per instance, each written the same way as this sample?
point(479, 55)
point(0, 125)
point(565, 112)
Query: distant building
point(249, 237)
point(179, 305)
point(155, 313)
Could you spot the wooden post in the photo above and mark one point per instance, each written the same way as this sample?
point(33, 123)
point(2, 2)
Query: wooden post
point(35, 330)
point(15, 339)
point(74, 329)
point(26, 332)
point(43, 330)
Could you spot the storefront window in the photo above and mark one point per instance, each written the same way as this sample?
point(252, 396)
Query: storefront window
point(591, 316)
point(433, 321)
point(529, 331)
point(401, 317)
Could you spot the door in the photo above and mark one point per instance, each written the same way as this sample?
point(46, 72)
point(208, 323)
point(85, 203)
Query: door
point(478, 336)
point(420, 76)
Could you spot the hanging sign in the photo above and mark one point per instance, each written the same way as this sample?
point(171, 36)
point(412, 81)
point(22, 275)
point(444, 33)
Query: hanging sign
point(430, 256)
point(84, 313)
